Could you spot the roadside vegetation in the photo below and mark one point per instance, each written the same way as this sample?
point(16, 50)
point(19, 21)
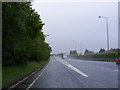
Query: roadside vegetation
point(23, 45)
point(112, 53)
point(12, 73)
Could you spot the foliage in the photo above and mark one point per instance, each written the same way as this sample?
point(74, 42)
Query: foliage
point(101, 50)
point(87, 52)
point(13, 73)
point(23, 39)
point(73, 53)
point(113, 53)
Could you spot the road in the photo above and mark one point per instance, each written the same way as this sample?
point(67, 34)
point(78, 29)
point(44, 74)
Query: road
point(71, 73)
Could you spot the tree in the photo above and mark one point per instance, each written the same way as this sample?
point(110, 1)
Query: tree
point(102, 50)
point(23, 39)
point(87, 52)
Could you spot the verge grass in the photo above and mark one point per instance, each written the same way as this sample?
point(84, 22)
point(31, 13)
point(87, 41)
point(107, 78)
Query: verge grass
point(13, 73)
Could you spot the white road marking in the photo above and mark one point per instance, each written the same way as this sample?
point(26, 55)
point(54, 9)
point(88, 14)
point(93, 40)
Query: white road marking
point(72, 67)
point(36, 79)
point(23, 79)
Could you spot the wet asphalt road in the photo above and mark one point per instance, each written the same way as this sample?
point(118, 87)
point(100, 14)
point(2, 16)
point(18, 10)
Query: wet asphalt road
point(72, 73)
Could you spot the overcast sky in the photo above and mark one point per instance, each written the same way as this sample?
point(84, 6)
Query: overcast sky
point(70, 23)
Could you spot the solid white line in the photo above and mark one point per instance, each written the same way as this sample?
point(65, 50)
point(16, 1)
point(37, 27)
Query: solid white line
point(23, 79)
point(36, 79)
point(72, 67)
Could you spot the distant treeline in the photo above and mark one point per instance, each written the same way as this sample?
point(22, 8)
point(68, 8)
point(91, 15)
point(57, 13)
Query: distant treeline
point(22, 36)
point(112, 53)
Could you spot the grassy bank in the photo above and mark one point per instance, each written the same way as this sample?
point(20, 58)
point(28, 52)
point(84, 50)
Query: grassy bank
point(12, 73)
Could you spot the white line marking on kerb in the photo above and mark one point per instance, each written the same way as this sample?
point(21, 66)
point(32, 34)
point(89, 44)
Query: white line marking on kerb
point(72, 67)
point(23, 79)
point(36, 79)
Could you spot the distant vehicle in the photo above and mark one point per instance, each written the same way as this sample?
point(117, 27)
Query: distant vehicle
point(64, 56)
point(117, 61)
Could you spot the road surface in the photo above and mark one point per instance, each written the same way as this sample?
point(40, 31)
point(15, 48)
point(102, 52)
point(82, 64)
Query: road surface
point(71, 73)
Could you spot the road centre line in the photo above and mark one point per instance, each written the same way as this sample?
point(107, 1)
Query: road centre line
point(36, 79)
point(72, 67)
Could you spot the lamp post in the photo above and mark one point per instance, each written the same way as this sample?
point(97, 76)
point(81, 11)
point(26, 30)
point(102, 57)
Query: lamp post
point(107, 30)
point(81, 45)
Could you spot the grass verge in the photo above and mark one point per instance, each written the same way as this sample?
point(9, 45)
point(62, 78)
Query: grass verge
point(13, 73)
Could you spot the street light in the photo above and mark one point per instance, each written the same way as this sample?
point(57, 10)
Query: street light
point(81, 45)
point(107, 30)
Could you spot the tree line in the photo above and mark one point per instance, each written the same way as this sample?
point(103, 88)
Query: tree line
point(22, 36)
point(112, 53)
